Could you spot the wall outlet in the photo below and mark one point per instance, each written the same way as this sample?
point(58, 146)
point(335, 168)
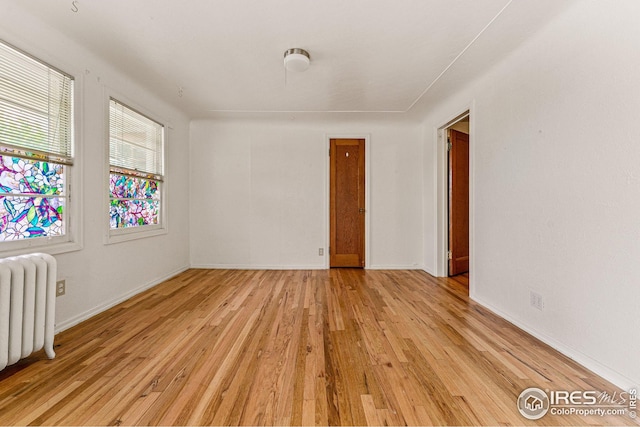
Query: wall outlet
point(320, 251)
point(61, 287)
point(536, 300)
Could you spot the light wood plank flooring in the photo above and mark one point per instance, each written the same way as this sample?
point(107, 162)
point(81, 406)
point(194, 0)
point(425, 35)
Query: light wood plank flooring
point(336, 347)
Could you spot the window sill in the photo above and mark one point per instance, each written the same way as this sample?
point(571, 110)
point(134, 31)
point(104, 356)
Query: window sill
point(129, 235)
point(51, 249)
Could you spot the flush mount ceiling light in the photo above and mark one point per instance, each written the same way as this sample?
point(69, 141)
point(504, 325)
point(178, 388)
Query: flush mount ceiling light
point(296, 59)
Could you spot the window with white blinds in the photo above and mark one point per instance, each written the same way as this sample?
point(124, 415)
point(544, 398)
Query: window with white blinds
point(135, 142)
point(36, 153)
point(136, 157)
point(36, 108)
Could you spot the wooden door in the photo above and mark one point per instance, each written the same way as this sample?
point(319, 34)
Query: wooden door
point(458, 202)
point(347, 203)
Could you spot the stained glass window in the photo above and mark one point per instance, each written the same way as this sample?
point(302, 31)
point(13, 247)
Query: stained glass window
point(36, 144)
point(32, 199)
point(136, 145)
point(134, 201)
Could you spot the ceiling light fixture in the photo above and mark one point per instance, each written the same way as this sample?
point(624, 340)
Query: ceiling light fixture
point(296, 59)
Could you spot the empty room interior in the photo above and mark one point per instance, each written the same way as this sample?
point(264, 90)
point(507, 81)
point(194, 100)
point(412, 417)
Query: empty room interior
point(297, 212)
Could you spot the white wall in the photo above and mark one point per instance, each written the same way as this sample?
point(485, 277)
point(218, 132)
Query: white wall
point(100, 275)
point(556, 185)
point(259, 195)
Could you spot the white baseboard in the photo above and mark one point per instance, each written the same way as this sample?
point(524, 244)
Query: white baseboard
point(298, 267)
point(591, 364)
point(393, 267)
point(258, 267)
point(429, 272)
point(64, 325)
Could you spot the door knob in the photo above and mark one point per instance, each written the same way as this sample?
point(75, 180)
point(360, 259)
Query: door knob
point(361, 210)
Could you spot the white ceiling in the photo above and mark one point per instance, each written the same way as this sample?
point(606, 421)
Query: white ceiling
point(367, 56)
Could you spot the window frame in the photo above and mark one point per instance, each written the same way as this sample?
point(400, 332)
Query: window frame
point(112, 236)
point(72, 238)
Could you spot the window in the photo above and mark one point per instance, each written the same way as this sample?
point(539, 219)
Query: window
point(36, 142)
point(136, 158)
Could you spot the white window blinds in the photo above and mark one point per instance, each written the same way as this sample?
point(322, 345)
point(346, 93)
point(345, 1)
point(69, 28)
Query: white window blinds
point(36, 108)
point(135, 142)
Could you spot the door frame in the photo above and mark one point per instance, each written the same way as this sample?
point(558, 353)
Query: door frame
point(442, 195)
point(367, 194)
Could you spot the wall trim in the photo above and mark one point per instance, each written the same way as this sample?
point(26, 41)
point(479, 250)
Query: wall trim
point(257, 267)
point(394, 267)
point(299, 267)
point(582, 359)
point(64, 325)
point(429, 271)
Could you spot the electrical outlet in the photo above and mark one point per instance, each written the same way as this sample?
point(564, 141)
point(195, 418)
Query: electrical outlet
point(61, 288)
point(320, 251)
point(536, 300)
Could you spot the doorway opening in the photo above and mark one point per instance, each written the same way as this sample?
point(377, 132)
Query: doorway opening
point(455, 195)
point(458, 197)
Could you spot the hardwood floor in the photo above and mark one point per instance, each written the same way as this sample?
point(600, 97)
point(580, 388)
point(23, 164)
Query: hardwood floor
point(336, 347)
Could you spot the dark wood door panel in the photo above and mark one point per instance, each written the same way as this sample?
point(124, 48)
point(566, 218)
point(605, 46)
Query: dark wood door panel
point(347, 203)
point(458, 202)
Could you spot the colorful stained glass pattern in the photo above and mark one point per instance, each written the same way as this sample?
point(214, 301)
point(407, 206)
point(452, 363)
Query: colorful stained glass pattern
point(134, 213)
point(22, 176)
point(27, 217)
point(31, 198)
point(135, 201)
point(129, 187)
